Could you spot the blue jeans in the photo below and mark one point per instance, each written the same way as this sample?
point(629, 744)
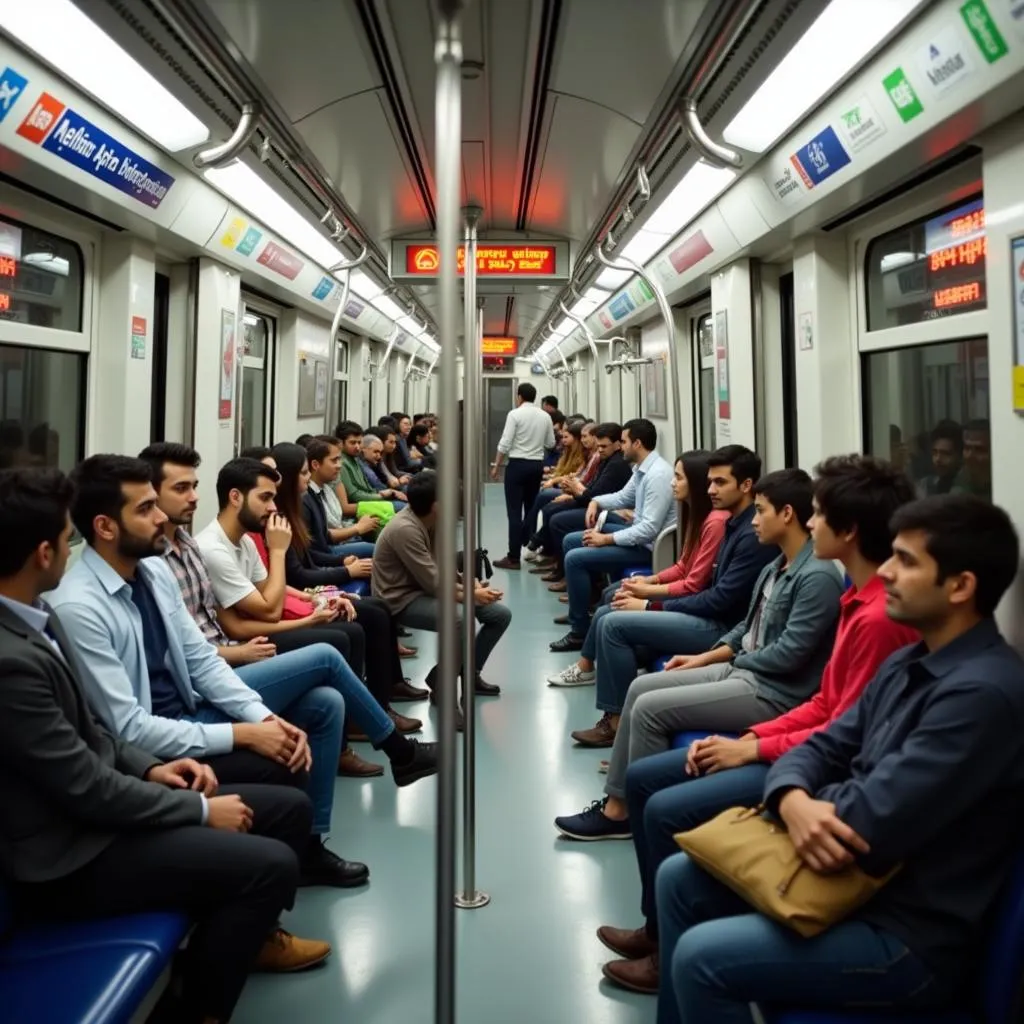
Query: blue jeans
point(717, 956)
point(543, 499)
point(547, 513)
point(629, 639)
point(590, 641)
point(359, 548)
point(664, 800)
point(582, 563)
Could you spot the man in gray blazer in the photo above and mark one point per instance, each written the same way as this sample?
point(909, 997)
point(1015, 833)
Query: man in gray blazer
point(91, 825)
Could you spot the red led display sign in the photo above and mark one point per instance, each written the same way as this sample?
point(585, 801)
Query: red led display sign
point(8, 266)
point(500, 346)
point(496, 260)
point(5, 302)
point(956, 248)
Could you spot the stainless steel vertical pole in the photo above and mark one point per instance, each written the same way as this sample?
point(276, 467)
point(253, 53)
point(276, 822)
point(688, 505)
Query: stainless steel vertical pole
point(469, 898)
point(447, 154)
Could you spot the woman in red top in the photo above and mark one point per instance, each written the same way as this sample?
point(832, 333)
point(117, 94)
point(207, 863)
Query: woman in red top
point(703, 531)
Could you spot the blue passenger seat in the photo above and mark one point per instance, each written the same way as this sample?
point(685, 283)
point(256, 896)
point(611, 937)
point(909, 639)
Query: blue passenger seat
point(1000, 983)
point(89, 972)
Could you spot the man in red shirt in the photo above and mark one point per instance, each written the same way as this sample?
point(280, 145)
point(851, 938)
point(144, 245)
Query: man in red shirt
point(855, 497)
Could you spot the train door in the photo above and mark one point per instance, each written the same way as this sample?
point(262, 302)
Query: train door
point(158, 402)
point(339, 407)
point(499, 401)
point(702, 345)
point(787, 328)
point(259, 351)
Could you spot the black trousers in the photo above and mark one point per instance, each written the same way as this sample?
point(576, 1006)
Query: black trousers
point(522, 485)
point(246, 767)
point(234, 886)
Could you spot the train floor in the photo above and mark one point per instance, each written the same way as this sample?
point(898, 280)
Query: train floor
point(531, 956)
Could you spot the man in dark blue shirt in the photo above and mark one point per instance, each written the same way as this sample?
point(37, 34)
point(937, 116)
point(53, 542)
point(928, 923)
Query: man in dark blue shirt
point(925, 772)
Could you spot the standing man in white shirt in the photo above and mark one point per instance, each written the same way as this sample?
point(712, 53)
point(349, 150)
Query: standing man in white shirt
point(528, 433)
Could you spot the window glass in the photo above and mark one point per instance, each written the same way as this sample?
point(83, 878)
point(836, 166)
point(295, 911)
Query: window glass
point(342, 366)
point(341, 399)
point(41, 407)
point(928, 411)
point(256, 331)
point(704, 332)
point(40, 278)
point(933, 267)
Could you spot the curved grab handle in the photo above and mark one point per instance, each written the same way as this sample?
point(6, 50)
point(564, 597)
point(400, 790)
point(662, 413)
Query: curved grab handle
point(714, 153)
point(225, 152)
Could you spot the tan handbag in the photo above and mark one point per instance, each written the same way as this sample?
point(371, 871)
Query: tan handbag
point(755, 857)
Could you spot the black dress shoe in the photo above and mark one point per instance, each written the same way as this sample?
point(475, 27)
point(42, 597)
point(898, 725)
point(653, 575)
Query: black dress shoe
point(405, 691)
point(561, 620)
point(486, 689)
point(569, 642)
point(321, 866)
point(423, 763)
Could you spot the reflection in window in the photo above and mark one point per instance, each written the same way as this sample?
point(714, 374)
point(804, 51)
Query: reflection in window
point(41, 407)
point(928, 411)
point(40, 278)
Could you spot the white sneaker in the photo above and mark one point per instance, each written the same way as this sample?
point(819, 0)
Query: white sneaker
point(572, 676)
point(533, 556)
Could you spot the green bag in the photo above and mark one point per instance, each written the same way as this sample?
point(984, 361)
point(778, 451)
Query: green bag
point(382, 510)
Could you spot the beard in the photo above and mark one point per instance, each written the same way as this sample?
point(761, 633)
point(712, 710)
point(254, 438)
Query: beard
point(250, 521)
point(130, 546)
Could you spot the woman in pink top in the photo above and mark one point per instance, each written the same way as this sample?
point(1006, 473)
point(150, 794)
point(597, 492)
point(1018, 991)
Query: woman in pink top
point(703, 531)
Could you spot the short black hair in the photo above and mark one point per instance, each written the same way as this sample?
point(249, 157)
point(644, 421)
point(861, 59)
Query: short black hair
point(643, 431)
point(34, 506)
point(319, 447)
point(611, 431)
point(163, 452)
point(382, 432)
point(257, 452)
point(388, 421)
point(551, 400)
point(343, 424)
point(347, 430)
point(527, 392)
point(792, 487)
point(398, 417)
point(742, 462)
point(978, 426)
point(419, 430)
point(861, 492)
point(557, 418)
point(421, 491)
point(949, 430)
point(304, 439)
point(242, 475)
point(98, 482)
point(965, 533)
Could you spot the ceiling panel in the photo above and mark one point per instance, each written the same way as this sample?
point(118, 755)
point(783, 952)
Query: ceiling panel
point(308, 52)
point(619, 55)
point(585, 150)
point(353, 140)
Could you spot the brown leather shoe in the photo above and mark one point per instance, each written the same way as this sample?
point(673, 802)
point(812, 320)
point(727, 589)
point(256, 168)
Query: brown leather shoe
point(405, 691)
point(506, 563)
point(632, 943)
point(602, 735)
point(635, 975)
point(351, 765)
point(554, 576)
point(407, 652)
point(543, 568)
point(284, 953)
point(558, 588)
point(403, 723)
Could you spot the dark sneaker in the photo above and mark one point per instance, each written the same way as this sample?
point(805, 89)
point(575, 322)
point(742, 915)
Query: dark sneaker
point(591, 825)
point(569, 642)
point(405, 692)
point(321, 866)
point(486, 689)
point(602, 735)
point(423, 763)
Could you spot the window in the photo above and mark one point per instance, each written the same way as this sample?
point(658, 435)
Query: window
point(928, 412)
point(40, 278)
point(933, 267)
point(704, 357)
point(42, 407)
point(257, 346)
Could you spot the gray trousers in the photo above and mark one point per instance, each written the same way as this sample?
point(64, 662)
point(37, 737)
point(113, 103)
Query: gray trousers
point(719, 698)
point(494, 619)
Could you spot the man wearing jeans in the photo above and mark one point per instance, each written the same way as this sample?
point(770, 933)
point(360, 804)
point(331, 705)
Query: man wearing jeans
point(405, 576)
point(621, 545)
point(923, 773)
point(527, 435)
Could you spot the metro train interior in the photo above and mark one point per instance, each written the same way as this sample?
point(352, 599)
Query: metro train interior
point(793, 225)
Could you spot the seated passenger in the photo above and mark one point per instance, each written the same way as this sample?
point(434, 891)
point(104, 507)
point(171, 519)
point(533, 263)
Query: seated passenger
point(370, 461)
point(703, 533)
point(324, 455)
point(418, 441)
point(619, 546)
point(388, 464)
point(155, 681)
point(768, 664)
point(976, 475)
point(855, 497)
point(407, 461)
point(612, 475)
point(553, 487)
point(357, 487)
point(405, 577)
point(93, 826)
point(923, 772)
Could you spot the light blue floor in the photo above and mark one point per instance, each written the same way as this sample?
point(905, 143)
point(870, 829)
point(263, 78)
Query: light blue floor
point(531, 957)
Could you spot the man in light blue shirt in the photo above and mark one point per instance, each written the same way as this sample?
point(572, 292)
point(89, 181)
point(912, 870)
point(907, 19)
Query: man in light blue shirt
point(619, 545)
point(150, 674)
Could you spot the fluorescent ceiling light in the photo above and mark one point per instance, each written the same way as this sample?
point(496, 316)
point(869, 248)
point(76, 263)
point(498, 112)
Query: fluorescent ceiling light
point(596, 294)
point(59, 33)
point(700, 185)
point(843, 35)
point(411, 326)
point(388, 307)
point(243, 186)
point(47, 261)
point(585, 305)
point(563, 327)
point(612, 279)
point(895, 260)
point(364, 286)
point(643, 245)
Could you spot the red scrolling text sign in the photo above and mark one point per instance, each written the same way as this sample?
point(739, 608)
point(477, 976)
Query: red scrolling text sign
point(503, 260)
